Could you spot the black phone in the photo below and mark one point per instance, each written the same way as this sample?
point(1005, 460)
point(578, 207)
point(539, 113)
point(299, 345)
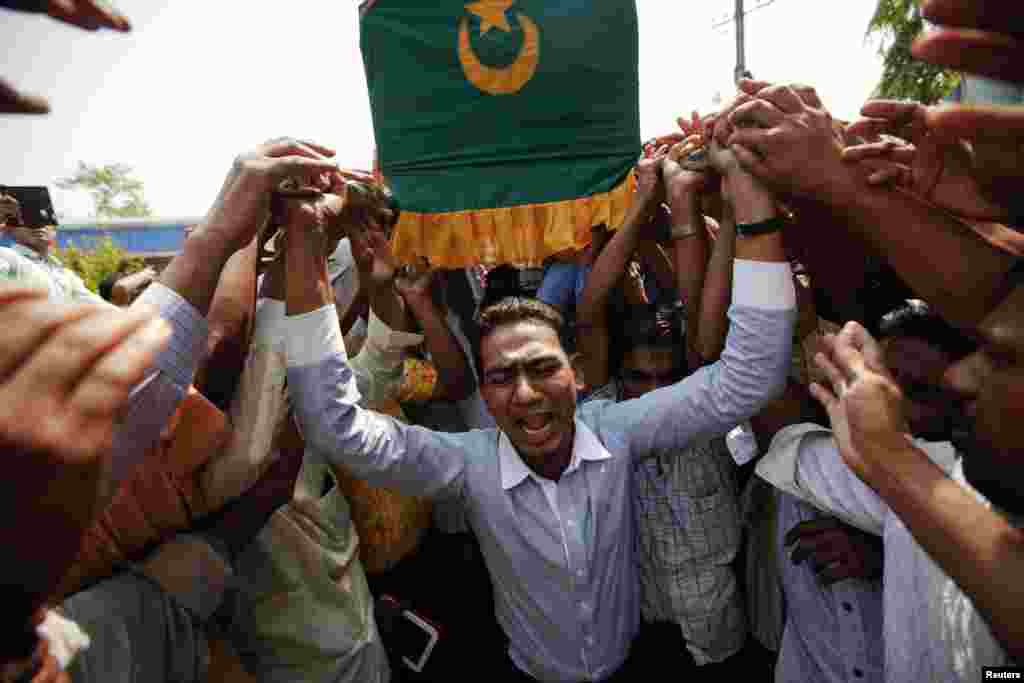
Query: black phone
point(415, 638)
point(35, 204)
point(407, 635)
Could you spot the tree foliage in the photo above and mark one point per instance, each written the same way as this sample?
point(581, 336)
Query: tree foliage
point(115, 193)
point(897, 23)
point(99, 260)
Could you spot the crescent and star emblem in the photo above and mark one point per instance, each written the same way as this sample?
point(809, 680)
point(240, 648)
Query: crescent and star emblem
point(491, 80)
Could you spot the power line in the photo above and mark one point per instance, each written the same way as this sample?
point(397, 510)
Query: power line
point(739, 18)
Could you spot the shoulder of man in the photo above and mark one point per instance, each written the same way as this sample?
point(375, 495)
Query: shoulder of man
point(11, 263)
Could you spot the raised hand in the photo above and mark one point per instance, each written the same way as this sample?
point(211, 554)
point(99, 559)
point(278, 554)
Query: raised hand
point(863, 400)
point(244, 203)
point(784, 136)
point(984, 37)
point(836, 551)
point(415, 283)
point(88, 14)
point(66, 374)
point(648, 176)
point(938, 168)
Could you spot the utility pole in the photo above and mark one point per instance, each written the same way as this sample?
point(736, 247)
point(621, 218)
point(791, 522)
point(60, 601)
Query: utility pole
point(741, 45)
point(739, 18)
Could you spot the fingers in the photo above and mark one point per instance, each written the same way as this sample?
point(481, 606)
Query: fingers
point(824, 396)
point(28, 323)
point(897, 112)
point(105, 389)
point(812, 526)
point(758, 112)
point(833, 373)
point(76, 346)
point(286, 146)
point(994, 55)
point(79, 375)
point(783, 97)
point(966, 121)
point(309, 169)
point(752, 87)
point(885, 149)
point(894, 174)
point(671, 138)
point(993, 15)
point(836, 572)
point(808, 95)
point(14, 102)
point(750, 160)
point(88, 14)
point(854, 336)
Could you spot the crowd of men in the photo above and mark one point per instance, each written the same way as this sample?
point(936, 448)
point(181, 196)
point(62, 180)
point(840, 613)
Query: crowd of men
point(768, 426)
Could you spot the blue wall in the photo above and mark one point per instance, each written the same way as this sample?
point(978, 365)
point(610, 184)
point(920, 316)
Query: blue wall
point(138, 238)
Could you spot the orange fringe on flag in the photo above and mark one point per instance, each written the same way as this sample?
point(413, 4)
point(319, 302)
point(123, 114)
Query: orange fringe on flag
point(522, 235)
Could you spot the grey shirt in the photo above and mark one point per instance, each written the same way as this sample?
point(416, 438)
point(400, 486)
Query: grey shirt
point(931, 629)
point(560, 554)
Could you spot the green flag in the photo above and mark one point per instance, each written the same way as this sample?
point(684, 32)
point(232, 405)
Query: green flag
point(506, 128)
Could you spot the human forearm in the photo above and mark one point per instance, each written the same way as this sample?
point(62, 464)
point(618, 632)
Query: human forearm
point(610, 265)
point(962, 276)
point(195, 272)
point(971, 542)
point(387, 305)
point(751, 371)
point(453, 371)
point(655, 261)
point(690, 254)
point(376, 448)
point(717, 292)
point(753, 203)
point(307, 287)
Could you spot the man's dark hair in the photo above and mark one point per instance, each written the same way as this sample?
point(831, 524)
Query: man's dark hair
point(106, 286)
point(915, 319)
point(511, 310)
point(656, 327)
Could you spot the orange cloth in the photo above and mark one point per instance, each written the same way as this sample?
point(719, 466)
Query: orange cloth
point(161, 498)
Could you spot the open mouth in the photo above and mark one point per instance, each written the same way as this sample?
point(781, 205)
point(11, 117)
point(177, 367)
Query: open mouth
point(537, 427)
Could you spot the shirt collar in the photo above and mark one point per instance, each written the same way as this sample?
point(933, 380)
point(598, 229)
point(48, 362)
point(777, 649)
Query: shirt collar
point(34, 256)
point(585, 447)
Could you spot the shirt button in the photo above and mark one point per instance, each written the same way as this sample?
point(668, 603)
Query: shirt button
point(848, 607)
point(858, 673)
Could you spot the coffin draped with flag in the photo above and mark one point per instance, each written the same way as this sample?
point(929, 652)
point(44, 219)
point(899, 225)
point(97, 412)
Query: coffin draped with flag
point(507, 129)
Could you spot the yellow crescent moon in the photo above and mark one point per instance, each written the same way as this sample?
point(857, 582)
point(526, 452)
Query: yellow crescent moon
point(512, 78)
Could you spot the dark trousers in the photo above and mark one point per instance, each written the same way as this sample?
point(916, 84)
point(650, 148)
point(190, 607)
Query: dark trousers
point(659, 653)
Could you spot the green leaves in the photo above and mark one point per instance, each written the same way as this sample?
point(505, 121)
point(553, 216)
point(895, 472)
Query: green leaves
point(897, 23)
point(115, 193)
point(102, 259)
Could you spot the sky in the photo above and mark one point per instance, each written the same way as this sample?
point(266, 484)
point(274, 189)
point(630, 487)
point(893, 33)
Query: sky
point(197, 82)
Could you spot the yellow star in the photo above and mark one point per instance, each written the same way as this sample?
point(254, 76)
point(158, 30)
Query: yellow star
point(491, 13)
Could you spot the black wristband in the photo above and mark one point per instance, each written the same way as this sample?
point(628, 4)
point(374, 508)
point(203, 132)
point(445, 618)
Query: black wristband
point(773, 224)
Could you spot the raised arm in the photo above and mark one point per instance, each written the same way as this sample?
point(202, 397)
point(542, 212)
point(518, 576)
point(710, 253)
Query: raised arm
point(323, 389)
point(610, 266)
point(186, 287)
point(969, 540)
point(752, 369)
point(717, 292)
point(453, 372)
point(797, 150)
point(689, 243)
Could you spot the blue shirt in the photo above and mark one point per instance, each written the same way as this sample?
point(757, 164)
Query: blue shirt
point(564, 575)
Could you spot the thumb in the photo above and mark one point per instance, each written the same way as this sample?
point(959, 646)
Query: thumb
point(995, 55)
point(974, 121)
